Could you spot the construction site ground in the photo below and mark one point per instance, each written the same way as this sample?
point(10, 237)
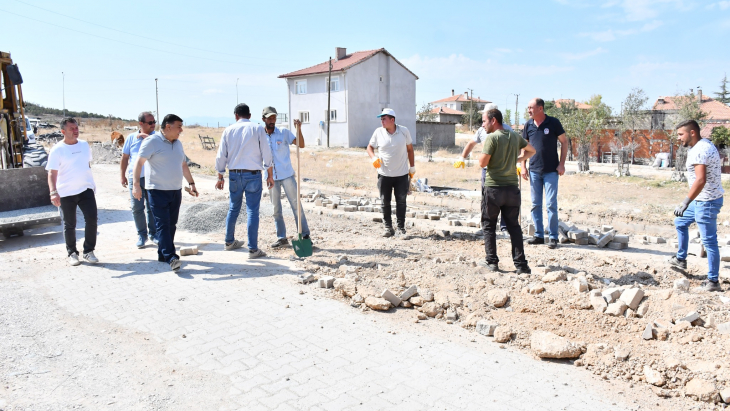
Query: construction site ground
point(301, 346)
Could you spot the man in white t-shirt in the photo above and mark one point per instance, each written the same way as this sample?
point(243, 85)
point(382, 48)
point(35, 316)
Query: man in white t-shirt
point(395, 163)
point(72, 185)
point(703, 202)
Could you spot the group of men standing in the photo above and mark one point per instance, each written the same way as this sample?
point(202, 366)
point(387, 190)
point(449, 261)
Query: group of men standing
point(155, 162)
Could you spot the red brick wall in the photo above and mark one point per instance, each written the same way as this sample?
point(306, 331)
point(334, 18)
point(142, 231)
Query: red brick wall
point(651, 142)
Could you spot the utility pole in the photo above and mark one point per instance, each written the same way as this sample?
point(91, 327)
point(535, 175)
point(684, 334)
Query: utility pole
point(517, 113)
point(329, 90)
point(471, 106)
point(157, 100)
point(236, 91)
point(63, 78)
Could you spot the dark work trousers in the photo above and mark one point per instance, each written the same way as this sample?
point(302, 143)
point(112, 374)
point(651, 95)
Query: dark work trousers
point(502, 225)
point(86, 201)
point(399, 186)
point(166, 208)
point(504, 199)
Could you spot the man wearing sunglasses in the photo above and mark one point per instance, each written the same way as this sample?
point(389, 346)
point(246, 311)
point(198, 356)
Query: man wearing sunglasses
point(130, 151)
point(395, 163)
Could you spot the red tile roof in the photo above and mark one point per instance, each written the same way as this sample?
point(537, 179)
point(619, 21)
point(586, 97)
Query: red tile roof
point(582, 106)
point(715, 109)
point(706, 131)
point(446, 110)
point(461, 97)
point(342, 64)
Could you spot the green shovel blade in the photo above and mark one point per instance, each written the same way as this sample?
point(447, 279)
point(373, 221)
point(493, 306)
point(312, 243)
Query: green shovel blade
point(302, 246)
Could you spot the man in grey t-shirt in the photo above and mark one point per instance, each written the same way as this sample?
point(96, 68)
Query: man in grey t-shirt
point(703, 202)
point(166, 167)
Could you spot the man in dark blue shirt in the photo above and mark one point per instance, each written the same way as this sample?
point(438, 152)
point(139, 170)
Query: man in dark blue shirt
point(543, 133)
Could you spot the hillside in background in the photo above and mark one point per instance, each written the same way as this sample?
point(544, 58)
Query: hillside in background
point(33, 109)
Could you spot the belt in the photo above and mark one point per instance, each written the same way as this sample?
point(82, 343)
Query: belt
point(245, 171)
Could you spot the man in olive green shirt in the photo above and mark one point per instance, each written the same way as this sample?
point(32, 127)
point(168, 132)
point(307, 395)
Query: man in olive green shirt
point(500, 192)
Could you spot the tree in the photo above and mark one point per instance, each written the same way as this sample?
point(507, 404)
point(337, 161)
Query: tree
point(688, 108)
point(633, 116)
point(720, 136)
point(582, 126)
point(471, 112)
point(724, 94)
point(507, 116)
point(426, 113)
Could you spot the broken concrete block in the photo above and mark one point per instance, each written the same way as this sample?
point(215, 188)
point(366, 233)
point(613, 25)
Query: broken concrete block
point(616, 309)
point(531, 229)
point(388, 295)
point(378, 304)
point(623, 239)
point(502, 334)
point(486, 327)
point(434, 217)
point(681, 284)
point(535, 288)
point(606, 228)
point(621, 353)
point(656, 240)
point(548, 345)
point(416, 300)
point(497, 297)
point(617, 246)
point(593, 239)
point(306, 278)
point(701, 390)
point(632, 297)
point(724, 328)
point(606, 239)
point(332, 206)
point(192, 250)
point(598, 303)
point(346, 286)
point(318, 202)
point(643, 309)
point(554, 276)
point(562, 238)
point(326, 282)
point(580, 284)
point(452, 314)
point(432, 309)
point(611, 294)
point(541, 270)
point(409, 292)
point(582, 241)
point(693, 316)
point(426, 294)
point(653, 377)
point(648, 333)
point(697, 249)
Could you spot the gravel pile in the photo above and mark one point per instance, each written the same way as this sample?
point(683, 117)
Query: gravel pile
point(28, 214)
point(105, 154)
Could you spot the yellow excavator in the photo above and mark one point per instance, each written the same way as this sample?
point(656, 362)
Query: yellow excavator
point(24, 195)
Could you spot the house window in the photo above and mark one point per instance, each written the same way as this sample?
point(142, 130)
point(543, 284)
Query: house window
point(304, 116)
point(301, 86)
point(333, 115)
point(335, 83)
point(381, 79)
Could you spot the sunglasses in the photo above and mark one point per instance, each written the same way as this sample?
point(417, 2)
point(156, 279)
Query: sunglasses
point(151, 123)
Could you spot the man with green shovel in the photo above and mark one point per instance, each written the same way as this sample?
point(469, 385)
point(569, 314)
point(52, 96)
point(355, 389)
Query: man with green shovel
point(279, 140)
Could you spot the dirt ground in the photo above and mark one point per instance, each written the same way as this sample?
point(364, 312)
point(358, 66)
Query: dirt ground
point(442, 259)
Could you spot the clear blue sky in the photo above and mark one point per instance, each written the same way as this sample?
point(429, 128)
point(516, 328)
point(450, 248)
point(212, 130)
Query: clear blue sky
point(111, 52)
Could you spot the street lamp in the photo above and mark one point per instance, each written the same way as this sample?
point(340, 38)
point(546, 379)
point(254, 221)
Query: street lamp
point(236, 91)
point(157, 100)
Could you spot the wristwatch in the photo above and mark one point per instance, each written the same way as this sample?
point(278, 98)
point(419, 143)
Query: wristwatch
point(53, 193)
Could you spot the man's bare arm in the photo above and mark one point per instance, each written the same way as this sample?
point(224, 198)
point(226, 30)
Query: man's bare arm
point(484, 159)
point(411, 155)
point(123, 168)
point(468, 148)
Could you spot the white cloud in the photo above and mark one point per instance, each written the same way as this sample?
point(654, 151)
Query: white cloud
point(641, 10)
point(722, 5)
point(503, 50)
point(581, 56)
point(611, 34)
point(214, 91)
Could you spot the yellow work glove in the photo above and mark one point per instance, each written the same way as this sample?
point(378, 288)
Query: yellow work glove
point(412, 171)
point(519, 170)
point(377, 163)
point(459, 163)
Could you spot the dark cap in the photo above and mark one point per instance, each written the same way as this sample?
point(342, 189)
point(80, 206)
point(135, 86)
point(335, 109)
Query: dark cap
point(269, 111)
point(242, 110)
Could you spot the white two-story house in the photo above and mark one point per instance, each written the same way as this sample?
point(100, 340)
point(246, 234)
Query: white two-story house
point(363, 83)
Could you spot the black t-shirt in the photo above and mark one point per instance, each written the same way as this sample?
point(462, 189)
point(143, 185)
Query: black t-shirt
point(545, 140)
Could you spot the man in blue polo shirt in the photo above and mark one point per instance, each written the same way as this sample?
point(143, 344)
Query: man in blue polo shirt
point(543, 133)
point(130, 152)
point(279, 141)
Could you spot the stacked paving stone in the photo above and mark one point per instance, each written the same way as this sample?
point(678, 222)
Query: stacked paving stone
point(375, 205)
point(606, 236)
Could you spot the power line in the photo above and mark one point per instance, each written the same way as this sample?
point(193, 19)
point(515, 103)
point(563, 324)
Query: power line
point(132, 44)
point(147, 38)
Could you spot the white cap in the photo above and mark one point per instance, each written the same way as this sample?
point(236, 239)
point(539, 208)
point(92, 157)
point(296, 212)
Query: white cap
point(387, 112)
point(490, 106)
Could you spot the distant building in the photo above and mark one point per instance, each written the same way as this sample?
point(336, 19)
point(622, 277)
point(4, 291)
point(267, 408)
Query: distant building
point(581, 106)
point(447, 115)
point(363, 83)
point(460, 102)
point(665, 112)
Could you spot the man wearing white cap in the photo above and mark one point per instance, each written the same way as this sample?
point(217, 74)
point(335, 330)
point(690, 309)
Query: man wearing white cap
point(395, 163)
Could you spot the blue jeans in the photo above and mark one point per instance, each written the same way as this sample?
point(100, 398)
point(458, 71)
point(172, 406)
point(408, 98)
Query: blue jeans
point(138, 209)
point(548, 182)
point(165, 206)
point(290, 189)
point(249, 183)
point(704, 213)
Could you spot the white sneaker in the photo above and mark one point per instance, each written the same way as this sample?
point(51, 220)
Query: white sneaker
point(256, 254)
point(73, 260)
point(232, 246)
point(175, 264)
point(91, 258)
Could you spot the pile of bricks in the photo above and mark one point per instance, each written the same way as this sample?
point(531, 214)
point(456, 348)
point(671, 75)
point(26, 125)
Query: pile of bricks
point(602, 237)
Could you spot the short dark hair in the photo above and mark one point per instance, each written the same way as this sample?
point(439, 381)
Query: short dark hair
point(170, 118)
point(690, 124)
point(143, 115)
point(387, 116)
point(540, 102)
point(67, 120)
point(242, 110)
point(494, 113)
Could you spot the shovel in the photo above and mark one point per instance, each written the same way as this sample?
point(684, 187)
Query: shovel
point(302, 246)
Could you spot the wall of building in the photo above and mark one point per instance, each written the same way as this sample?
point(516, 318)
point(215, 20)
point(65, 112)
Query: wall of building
point(442, 134)
point(651, 143)
point(315, 102)
point(367, 96)
point(449, 118)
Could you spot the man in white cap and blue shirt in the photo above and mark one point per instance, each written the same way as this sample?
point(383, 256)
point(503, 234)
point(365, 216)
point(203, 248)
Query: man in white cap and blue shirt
point(395, 163)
